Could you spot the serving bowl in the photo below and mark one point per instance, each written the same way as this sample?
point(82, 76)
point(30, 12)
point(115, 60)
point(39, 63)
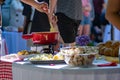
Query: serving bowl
point(83, 60)
point(79, 56)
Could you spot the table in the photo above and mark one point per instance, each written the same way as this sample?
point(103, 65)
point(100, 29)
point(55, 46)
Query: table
point(28, 71)
point(14, 41)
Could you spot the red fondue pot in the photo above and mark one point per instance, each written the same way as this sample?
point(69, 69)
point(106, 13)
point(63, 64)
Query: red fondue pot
point(44, 38)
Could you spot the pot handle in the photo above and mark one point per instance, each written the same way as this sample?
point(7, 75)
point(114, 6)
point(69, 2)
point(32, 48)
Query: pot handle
point(27, 36)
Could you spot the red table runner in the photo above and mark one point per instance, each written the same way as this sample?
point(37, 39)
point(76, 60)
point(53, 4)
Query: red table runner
point(5, 70)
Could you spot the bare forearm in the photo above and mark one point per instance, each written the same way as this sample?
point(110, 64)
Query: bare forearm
point(29, 2)
point(32, 3)
point(52, 6)
point(113, 12)
point(40, 6)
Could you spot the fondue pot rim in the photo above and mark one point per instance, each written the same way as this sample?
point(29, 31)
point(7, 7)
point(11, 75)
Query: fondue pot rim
point(30, 36)
point(43, 32)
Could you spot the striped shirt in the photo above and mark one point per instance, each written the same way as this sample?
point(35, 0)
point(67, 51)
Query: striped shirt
point(71, 8)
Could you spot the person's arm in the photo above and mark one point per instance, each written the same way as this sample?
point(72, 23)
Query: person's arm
point(113, 12)
point(40, 6)
point(52, 6)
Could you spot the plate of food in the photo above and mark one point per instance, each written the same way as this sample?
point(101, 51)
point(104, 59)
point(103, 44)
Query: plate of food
point(48, 62)
point(46, 59)
point(25, 54)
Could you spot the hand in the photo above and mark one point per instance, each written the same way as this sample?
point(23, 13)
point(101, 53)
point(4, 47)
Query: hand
point(20, 29)
point(43, 7)
point(52, 18)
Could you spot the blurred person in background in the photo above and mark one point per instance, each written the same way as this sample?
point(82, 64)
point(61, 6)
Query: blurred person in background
point(113, 12)
point(6, 13)
point(3, 45)
point(16, 18)
point(84, 28)
point(1, 2)
point(96, 27)
point(103, 20)
point(69, 15)
point(106, 26)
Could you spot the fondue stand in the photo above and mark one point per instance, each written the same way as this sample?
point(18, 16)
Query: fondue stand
point(42, 39)
point(48, 50)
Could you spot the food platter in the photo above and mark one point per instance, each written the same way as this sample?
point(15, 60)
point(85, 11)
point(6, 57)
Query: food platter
point(45, 59)
point(48, 62)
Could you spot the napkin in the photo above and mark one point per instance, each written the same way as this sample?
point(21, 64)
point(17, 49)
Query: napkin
point(10, 58)
point(107, 64)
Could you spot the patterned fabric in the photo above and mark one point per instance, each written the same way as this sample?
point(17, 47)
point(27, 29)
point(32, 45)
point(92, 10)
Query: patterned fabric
point(5, 70)
point(71, 8)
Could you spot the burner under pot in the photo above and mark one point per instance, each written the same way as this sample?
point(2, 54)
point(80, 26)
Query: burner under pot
point(49, 50)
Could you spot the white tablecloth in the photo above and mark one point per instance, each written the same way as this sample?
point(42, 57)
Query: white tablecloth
point(14, 41)
point(27, 71)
